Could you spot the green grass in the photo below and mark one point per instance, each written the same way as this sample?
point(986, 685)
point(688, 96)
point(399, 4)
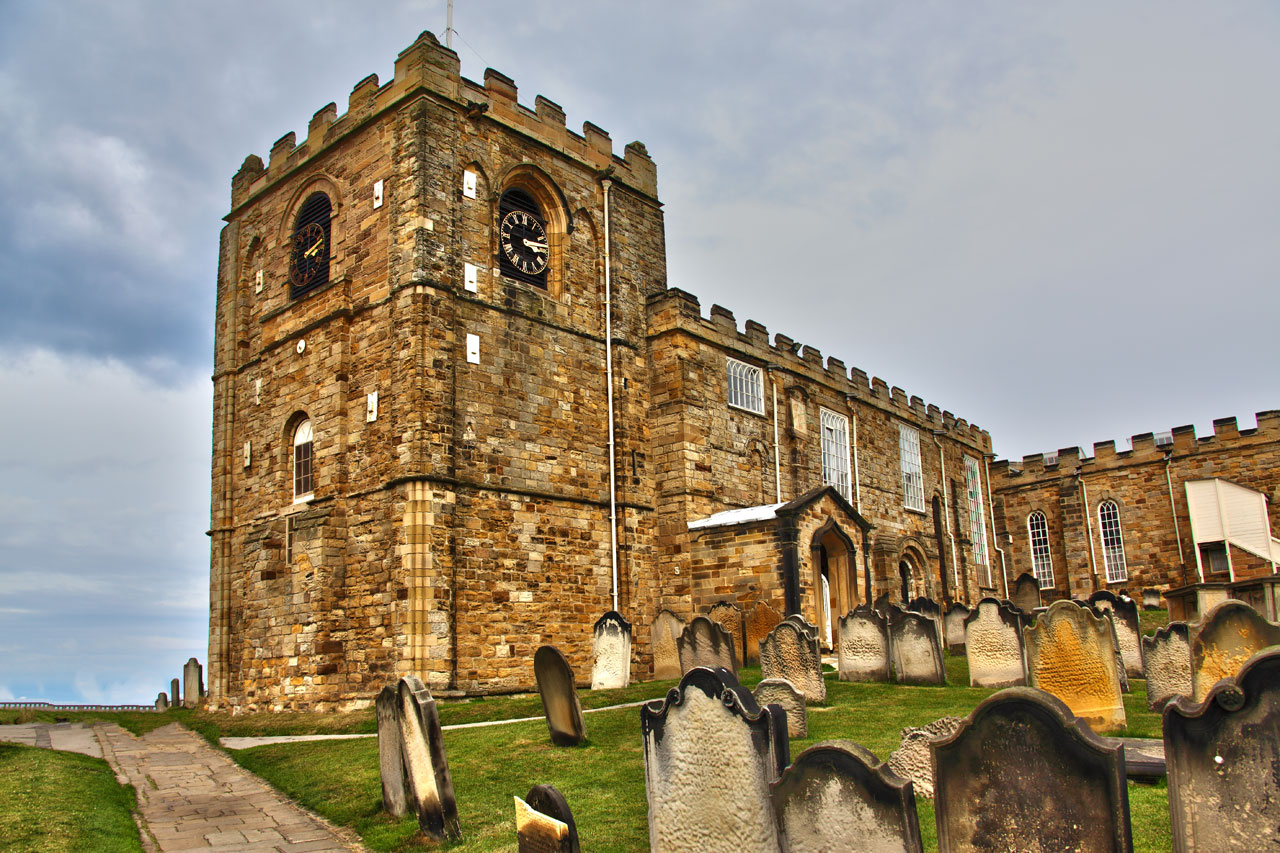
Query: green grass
point(137, 722)
point(1150, 620)
point(55, 801)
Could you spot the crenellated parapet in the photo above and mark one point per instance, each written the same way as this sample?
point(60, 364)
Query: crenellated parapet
point(428, 67)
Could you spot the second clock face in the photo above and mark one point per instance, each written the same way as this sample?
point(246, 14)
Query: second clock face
point(524, 242)
point(309, 255)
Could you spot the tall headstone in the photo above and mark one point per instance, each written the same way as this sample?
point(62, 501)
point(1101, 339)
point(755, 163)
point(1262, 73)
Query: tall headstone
point(1124, 615)
point(837, 796)
point(710, 753)
point(391, 752)
point(174, 693)
point(663, 633)
point(881, 604)
point(929, 607)
point(1230, 634)
point(914, 648)
point(1223, 757)
point(704, 643)
point(779, 691)
point(761, 619)
point(1026, 593)
point(544, 823)
point(993, 644)
point(913, 759)
point(789, 652)
point(1152, 599)
point(862, 650)
point(1168, 663)
point(729, 616)
point(428, 786)
point(953, 627)
point(162, 701)
point(611, 652)
point(192, 683)
point(559, 697)
point(1021, 773)
point(1071, 654)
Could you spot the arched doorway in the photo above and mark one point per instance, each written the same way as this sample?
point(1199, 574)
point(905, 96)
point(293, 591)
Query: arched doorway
point(904, 578)
point(835, 584)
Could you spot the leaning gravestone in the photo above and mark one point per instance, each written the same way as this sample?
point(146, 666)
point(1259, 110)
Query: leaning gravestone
point(710, 753)
point(913, 759)
point(1026, 593)
point(663, 633)
point(993, 644)
point(611, 652)
point(729, 617)
point(837, 796)
point(162, 701)
point(914, 648)
point(862, 649)
point(544, 823)
point(428, 786)
point(1168, 657)
point(1071, 654)
point(192, 683)
point(1230, 634)
point(761, 619)
point(779, 691)
point(1222, 757)
point(953, 627)
point(391, 753)
point(792, 654)
point(1124, 615)
point(559, 697)
point(1152, 599)
point(173, 692)
point(1022, 773)
point(704, 643)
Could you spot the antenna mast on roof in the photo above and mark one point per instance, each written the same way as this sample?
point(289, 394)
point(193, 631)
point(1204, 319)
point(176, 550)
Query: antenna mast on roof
point(448, 30)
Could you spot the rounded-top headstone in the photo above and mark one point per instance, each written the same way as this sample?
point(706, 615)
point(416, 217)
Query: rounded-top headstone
point(559, 697)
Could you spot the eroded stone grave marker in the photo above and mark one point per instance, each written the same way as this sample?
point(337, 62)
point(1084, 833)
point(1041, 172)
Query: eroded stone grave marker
point(779, 691)
point(993, 645)
point(391, 752)
point(862, 648)
point(704, 643)
point(1124, 616)
point(953, 627)
point(663, 634)
point(791, 653)
point(192, 683)
point(1071, 654)
point(761, 619)
point(915, 648)
point(1152, 599)
point(729, 616)
point(559, 697)
point(913, 759)
point(611, 652)
point(1026, 593)
point(428, 787)
point(544, 823)
point(1168, 664)
point(162, 701)
point(1231, 633)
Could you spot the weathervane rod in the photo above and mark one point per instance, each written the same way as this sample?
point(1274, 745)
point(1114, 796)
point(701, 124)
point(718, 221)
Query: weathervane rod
point(448, 30)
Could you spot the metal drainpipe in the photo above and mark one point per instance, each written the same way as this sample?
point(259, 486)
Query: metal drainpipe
point(777, 458)
point(991, 511)
point(946, 508)
point(857, 484)
point(608, 359)
point(1173, 510)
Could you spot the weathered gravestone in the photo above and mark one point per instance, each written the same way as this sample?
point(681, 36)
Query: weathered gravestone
point(803, 624)
point(792, 654)
point(1103, 611)
point(953, 627)
point(929, 607)
point(704, 643)
point(391, 753)
point(913, 759)
point(1021, 773)
point(544, 823)
point(425, 781)
point(993, 644)
point(729, 616)
point(1223, 757)
point(192, 683)
point(1168, 663)
point(1124, 615)
point(761, 619)
point(1230, 634)
point(1071, 654)
point(710, 753)
point(1026, 593)
point(174, 695)
point(1152, 599)
point(663, 634)
point(559, 697)
point(162, 701)
point(611, 652)
point(914, 648)
point(779, 691)
point(882, 604)
point(836, 796)
point(862, 649)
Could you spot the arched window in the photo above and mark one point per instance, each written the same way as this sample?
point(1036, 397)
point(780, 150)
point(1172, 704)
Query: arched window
point(1041, 563)
point(303, 454)
point(310, 251)
point(1112, 541)
point(524, 249)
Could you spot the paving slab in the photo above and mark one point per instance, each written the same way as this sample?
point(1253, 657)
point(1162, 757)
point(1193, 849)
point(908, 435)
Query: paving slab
point(68, 737)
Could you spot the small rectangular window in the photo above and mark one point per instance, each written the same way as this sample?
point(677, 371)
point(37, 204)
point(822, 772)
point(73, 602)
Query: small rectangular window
point(977, 519)
point(746, 386)
point(912, 470)
point(835, 452)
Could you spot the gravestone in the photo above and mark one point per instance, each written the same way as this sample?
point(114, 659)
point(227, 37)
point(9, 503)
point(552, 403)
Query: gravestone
point(1152, 599)
point(792, 654)
point(173, 692)
point(1222, 757)
point(1168, 658)
point(862, 650)
point(1071, 654)
point(544, 823)
point(1021, 773)
point(391, 752)
point(929, 607)
point(1026, 593)
point(663, 633)
point(837, 796)
point(162, 701)
point(993, 644)
point(882, 604)
point(779, 691)
point(803, 624)
point(729, 617)
point(914, 648)
point(559, 697)
point(953, 627)
point(704, 643)
point(710, 753)
point(1231, 633)
point(1124, 615)
point(192, 683)
point(611, 652)
point(428, 786)
point(761, 619)
point(913, 759)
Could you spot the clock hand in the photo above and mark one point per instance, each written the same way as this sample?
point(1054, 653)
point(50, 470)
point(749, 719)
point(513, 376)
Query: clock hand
point(532, 245)
point(309, 252)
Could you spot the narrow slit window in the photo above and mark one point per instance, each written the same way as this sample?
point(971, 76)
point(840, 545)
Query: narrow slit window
point(912, 470)
point(835, 453)
point(1041, 562)
point(977, 519)
point(746, 386)
point(1112, 542)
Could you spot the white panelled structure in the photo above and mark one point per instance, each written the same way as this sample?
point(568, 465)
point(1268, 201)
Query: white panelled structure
point(1224, 512)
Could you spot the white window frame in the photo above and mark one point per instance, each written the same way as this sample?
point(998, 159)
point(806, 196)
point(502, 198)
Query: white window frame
point(1111, 532)
point(977, 517)
point(303, 436)
point(1041, 558)
point(746, 386)
point(835, 452)
point(912, 468)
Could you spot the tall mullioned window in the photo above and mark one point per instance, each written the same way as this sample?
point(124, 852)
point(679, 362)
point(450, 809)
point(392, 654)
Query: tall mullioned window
point(1112, 541)
point(977, 519)
point(912, 470)
point(303, 476)
point(835, 453)
point(746, 386)
point(1041, 563)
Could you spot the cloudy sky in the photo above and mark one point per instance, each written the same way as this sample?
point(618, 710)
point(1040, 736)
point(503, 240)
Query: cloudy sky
point(1059, 222)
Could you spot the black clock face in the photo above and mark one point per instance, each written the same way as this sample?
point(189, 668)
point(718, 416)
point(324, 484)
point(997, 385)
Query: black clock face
point(310, 254)
point(524, 242)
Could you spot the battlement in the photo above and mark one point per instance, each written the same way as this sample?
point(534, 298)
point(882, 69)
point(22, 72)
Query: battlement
point(428, 65)
point(675, 309)
point(1144, 447)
